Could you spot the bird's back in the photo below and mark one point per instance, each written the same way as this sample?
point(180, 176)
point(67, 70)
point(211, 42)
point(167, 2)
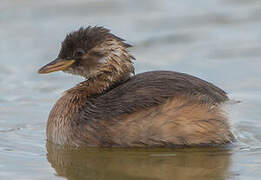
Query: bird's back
point(149, 89)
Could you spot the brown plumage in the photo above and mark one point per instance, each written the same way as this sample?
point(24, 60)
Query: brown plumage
point(113, 108)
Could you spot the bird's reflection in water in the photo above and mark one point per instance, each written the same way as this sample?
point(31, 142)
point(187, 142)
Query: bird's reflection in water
point(119, 164)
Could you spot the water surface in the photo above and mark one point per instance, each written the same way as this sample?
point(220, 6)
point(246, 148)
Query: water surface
point(216, 40)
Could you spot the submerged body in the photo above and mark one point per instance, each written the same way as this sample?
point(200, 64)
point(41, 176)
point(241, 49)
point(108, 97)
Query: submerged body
point(151, 109)
point(112, 108)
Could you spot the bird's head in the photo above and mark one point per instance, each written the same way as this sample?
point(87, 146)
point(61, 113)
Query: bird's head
point(90, 52)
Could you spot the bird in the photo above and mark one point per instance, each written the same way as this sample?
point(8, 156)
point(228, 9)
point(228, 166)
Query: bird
point(113, 107)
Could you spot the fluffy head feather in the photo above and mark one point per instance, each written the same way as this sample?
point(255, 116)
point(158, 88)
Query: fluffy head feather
point(96, 50)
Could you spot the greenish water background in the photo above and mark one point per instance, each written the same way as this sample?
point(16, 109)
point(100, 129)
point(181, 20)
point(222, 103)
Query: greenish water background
point(218, 40)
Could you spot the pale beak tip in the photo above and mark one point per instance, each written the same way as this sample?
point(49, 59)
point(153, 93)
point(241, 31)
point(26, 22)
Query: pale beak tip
point(40, 71)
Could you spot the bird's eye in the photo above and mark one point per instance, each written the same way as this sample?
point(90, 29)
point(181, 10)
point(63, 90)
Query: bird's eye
point(79, 53)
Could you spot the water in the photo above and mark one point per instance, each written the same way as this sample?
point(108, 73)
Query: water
point(216, 40)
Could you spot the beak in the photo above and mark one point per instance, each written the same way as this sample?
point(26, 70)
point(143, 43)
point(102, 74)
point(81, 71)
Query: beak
point(56, 65)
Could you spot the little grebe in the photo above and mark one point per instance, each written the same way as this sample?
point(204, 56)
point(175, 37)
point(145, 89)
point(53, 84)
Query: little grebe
point(115, 108)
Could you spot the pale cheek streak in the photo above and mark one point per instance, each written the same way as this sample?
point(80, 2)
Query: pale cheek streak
point(117, 52)
point(78, 71)
point(102, 60)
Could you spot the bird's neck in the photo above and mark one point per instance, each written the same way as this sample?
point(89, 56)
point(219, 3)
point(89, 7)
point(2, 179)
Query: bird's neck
point(116, 69)
point(99, 84)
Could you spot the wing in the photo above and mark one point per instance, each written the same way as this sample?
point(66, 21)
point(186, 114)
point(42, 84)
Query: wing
point(149, 89)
